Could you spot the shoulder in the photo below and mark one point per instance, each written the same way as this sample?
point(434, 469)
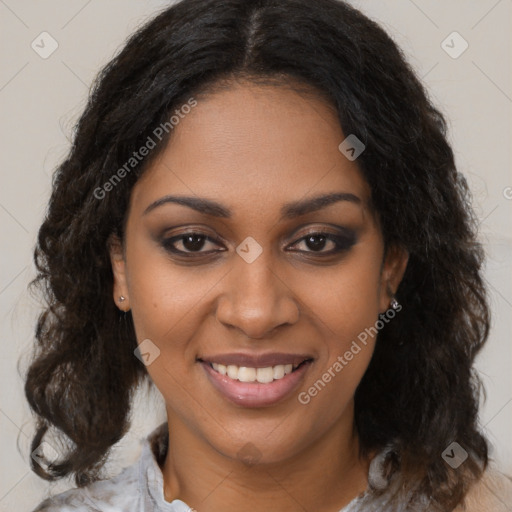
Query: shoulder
point(119, 493)
point(122, 493)
point(492, 493)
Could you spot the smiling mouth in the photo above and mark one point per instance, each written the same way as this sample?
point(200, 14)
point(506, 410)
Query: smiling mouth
point(264, 375)
point(256, 380)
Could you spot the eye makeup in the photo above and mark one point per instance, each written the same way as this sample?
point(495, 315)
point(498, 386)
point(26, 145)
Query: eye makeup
point(318, 242)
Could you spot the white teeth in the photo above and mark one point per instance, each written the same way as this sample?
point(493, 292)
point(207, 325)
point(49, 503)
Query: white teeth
point(246, 374)
point(265, 375)
point(261, 375)
point(278, 371)
point(232, 371)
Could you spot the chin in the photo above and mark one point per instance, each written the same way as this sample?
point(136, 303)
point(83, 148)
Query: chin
point(260, 447)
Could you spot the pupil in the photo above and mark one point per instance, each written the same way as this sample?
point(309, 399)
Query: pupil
point(316, 242)
point(193, 242)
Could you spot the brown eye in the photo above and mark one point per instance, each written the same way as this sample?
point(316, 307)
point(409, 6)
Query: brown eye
point(317, 243)
point(193, 242)
point(189, 243)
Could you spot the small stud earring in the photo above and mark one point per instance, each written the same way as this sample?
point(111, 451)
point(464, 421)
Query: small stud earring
point(122, 299)
point(394, 303)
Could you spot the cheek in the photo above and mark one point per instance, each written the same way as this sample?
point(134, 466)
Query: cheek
point(167, 301)
point(164, 296)
point(167, 304)
point(346, 301)
point(345, 308)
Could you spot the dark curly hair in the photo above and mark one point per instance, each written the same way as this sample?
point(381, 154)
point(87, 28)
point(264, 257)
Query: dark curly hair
point(420, 391)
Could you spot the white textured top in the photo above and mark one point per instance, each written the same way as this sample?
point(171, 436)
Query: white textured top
point(139, 488)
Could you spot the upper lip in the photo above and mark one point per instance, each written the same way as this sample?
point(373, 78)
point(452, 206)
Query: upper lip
point(256, 360)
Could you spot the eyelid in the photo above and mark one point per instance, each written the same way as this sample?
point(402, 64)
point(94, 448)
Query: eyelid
point(179, 231)
point(331, 230)
point(335, 231)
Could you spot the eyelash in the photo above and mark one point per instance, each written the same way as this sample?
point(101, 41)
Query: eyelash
point(342, 243)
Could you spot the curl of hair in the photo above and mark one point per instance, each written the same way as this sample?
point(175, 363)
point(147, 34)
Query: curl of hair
point(420, 391)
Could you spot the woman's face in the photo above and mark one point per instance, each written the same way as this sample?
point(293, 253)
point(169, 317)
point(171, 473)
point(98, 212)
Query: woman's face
point(233, 263)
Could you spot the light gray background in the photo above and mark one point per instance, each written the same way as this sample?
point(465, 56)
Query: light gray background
point(41, 99)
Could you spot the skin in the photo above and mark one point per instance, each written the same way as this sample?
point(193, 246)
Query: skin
point(254, 148)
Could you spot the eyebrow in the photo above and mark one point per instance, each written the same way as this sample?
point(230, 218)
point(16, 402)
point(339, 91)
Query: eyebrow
point(288, 211)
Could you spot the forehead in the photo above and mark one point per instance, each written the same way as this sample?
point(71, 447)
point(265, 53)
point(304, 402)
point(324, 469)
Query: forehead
point(254, 146)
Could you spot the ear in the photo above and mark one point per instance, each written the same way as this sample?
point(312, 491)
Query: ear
point(393, 269)
point(117, 260)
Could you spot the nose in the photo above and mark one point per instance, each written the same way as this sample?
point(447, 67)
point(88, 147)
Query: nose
point(255, 300)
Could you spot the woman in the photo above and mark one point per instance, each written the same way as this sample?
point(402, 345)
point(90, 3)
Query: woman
point(261, 213)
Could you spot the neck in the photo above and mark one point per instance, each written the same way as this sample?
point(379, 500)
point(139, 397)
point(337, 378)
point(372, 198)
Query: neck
point(323, 477)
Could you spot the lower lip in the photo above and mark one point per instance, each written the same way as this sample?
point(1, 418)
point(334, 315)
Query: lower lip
point(255, 394)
